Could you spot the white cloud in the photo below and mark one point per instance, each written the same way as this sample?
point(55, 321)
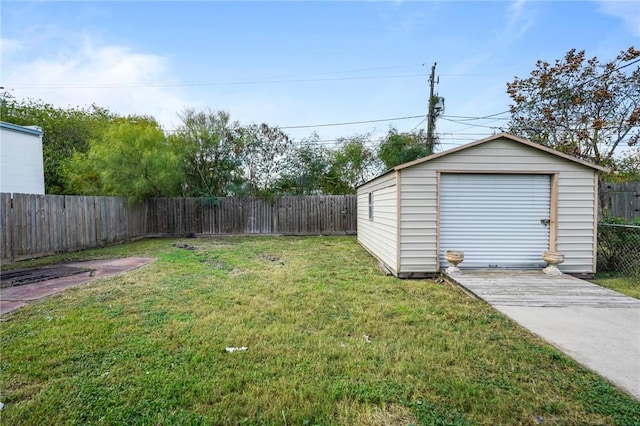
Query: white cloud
point(627, 11)
point(399, 21)
point(404, 25)
point(9, 46)
point(115, 77)
point(519, 19)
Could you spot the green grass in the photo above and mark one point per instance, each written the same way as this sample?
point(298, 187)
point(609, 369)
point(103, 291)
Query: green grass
point(147, 347)
point(626, 285)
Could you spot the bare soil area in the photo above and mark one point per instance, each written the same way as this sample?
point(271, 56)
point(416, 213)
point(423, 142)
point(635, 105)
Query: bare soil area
point(34, 275)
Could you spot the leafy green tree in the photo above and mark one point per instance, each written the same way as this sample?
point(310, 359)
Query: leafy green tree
point(401, 147)
point(351, 163)
point(628, 167)
point(267, 152)
point(306, 168)
point(65, 131)
point(212, 148)
point(133, 158)
point(580, 106)
point(81, 174)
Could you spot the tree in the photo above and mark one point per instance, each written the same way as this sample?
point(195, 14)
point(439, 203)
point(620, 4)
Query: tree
point(351, 164)
point(401, 147)
point(266, 154)
point(81, 174)
point(628, 169)
point(579, 106)
point(307, 168)
point(211, 146)
point(65, 131)
point(133, 158)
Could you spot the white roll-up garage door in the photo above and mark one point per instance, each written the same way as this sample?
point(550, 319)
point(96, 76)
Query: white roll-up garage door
point(497, 220)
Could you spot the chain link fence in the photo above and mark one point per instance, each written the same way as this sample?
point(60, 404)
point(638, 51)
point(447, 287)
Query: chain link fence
point(619, 249)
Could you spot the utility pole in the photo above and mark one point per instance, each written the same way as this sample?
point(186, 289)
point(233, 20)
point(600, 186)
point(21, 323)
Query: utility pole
point(432, 112)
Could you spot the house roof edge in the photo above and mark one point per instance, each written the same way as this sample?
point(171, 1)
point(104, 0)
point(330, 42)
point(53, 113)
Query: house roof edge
point(32, 130)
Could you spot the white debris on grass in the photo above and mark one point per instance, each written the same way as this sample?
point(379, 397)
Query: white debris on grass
point(233, 349)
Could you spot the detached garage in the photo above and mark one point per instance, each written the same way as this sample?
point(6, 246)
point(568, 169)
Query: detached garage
point(501, 200)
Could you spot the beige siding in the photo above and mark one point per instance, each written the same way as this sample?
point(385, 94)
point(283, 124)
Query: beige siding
point(576, 218)
point(379, 236)
point(418, 220)
point(419, 201)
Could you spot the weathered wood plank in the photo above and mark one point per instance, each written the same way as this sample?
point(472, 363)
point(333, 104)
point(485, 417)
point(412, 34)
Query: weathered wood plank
point(33, 225)
point(624, 199)
point(20, 210)
point(534, 288)
point(6, 226)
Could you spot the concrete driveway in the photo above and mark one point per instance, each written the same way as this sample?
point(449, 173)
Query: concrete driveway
point(597, 327)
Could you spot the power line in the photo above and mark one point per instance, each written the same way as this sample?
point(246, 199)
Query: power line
point(207, 83)
point(418, 125)
point(370, 69)
point(347, 123)
point(306, 126)
point(598, 77)
point(473, 125)
point(456, 133)
point(458, 119)
point(485, 117)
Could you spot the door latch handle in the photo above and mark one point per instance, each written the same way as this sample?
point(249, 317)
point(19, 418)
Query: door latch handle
point(545, 222)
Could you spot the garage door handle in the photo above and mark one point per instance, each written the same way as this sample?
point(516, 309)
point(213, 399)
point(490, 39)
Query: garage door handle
point(545, 222)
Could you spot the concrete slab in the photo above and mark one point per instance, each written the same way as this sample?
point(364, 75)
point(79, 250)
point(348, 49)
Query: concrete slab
point(12, 298)
point(597, 327)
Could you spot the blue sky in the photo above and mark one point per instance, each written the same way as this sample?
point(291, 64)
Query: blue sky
point(300, 63)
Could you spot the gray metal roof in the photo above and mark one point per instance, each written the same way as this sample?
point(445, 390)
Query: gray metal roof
point(32, 130)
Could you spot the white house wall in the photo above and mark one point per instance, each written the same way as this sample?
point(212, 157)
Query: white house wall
point(575, 207)
point(21, 162)
point(379, 235)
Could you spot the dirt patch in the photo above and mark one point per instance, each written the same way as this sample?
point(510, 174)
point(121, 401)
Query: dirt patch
point(34, 275)
point(272, 258)
point(235, 272)
point(184, 246)
point(16, 296)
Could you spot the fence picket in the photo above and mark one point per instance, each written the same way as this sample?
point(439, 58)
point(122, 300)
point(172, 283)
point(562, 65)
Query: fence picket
point(623, 199)
point(6, 234)
point(36, 225)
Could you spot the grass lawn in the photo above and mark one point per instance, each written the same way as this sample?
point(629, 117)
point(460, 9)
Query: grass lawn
point(148, 347)
point(624, 285)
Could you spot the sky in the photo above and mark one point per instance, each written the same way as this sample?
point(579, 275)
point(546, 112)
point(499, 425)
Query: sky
point(302, 66)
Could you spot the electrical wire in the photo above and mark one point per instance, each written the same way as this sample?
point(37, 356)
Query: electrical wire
point(419, 124)
point(348, 123)
point(474, 125)
point(509, 110)
point(207, 83)
point(370, 69)
point(464, 118)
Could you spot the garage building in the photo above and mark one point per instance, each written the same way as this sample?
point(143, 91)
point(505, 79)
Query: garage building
point(502, 200)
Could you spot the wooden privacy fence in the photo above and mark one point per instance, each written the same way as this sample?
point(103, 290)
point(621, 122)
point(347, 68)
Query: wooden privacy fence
point(38, 225)
point(623, 199)
point(311, 215)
